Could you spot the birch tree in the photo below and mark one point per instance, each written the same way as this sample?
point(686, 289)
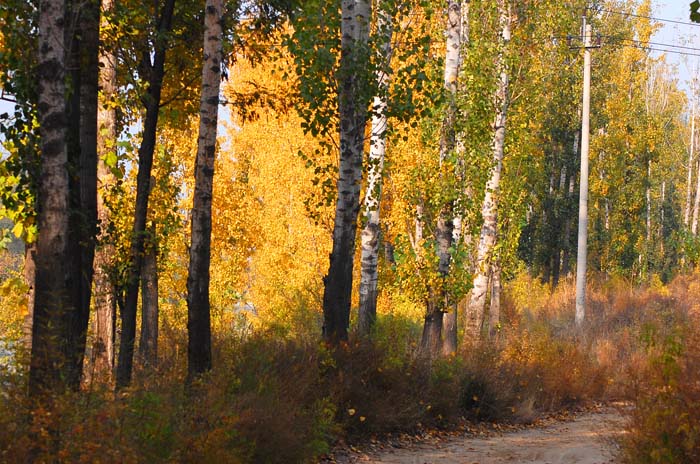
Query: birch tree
point(198, 304)
point(691, 153)
point(489, 210)
point(352, 111)
point(371, 231)
point(437, 304)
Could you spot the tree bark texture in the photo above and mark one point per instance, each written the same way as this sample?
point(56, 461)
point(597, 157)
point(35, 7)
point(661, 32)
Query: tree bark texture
point(352, 107)
point(489, 210)
point(29, 274)
point(198, 304)
point(148, 346)
point(82, 162)
point(51, 296)
point(370, 233)
point(105, 291)
point(143, 179)
point(440, 300)
point(495, 300)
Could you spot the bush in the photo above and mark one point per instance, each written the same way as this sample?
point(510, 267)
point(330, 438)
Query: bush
point(664, 424)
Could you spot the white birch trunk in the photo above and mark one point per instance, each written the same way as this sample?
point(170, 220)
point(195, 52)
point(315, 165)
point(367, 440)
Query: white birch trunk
point(489, 210)
point(370, 233)
point(689, 188)
point(198, 275)
point(696, 205)
point(431, 343)
point(352, 110)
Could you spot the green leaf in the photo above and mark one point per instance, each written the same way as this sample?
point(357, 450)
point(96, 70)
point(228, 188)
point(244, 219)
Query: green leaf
point(695, 11)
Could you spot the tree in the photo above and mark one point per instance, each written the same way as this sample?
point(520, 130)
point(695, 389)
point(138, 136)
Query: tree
point(105, 288)
point(489, 209)
point(67, 198)
point(352, 110)
point(437, 303)
point(155, 72)
point(371, 231)
point(51, 292)
point(198, 280)
point(82, 165)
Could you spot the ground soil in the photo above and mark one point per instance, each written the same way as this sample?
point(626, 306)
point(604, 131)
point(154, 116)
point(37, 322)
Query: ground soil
point(584, 438)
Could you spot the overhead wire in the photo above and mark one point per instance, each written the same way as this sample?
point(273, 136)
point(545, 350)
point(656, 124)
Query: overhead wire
point(653, 18)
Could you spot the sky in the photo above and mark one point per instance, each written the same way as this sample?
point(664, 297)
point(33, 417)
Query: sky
point(678, 34)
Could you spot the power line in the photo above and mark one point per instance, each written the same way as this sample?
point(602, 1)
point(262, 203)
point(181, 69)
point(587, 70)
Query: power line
point(641, 47)
point(642, 44)
point(674, 21)
point(658, 44)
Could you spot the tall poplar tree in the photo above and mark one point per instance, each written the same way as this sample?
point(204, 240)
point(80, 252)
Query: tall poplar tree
point(154, 66)
point(198, 304)
point(51, 292)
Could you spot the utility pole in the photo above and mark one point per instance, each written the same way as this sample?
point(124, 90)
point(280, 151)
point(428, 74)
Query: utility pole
point(583, 192)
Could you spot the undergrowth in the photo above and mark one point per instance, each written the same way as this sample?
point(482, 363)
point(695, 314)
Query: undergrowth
point(274, 399)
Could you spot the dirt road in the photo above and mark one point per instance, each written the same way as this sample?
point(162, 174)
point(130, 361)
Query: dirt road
point(587, 439)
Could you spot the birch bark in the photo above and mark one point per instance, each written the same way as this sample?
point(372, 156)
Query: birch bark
point(370, 233)
point(353, 119)
point(689, 188)
point(431, 342)
point(489, 210)
point(198, 304)
point(696, 205)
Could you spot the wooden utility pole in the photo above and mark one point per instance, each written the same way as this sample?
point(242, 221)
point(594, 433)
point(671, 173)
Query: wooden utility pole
point(583, 185)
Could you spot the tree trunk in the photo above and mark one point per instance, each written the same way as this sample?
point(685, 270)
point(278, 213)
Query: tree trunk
point(105, 291)
point(152, 100)
point(29, 272)
point(439, 301)
point(431, 340)
point(353, 119)
point(370, 233)
point(689, 187)
point(495, 301)
point(198, 309)
point(51, 297)
point(489, 210)
point(449, 333)
point(148, 346)
point(82, 160)
point(696, 205)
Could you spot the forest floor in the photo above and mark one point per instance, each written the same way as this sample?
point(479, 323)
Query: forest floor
point(586, 437)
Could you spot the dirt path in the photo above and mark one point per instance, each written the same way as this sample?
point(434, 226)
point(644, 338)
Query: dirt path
point(587, 439)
